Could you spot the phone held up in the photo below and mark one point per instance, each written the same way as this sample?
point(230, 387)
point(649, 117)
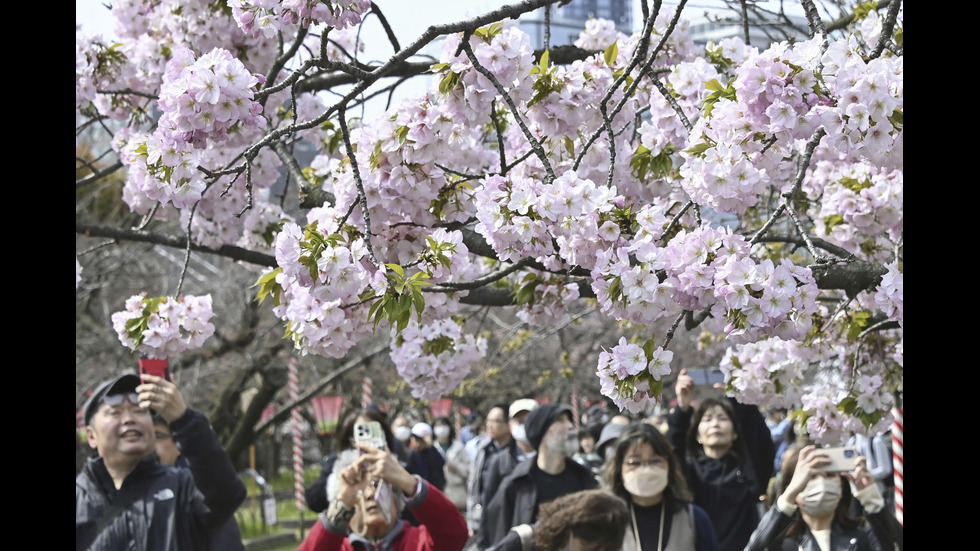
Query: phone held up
point(152, 366)
point(373, 435)
point(370, 433)
point(841, 459)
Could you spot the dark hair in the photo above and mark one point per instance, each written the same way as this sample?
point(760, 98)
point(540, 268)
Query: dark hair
point(345, 436)
point(677, 493)
point(596, 517)
point(695, 449)
point(842, 514)
point(443, 420)
point(504, 408)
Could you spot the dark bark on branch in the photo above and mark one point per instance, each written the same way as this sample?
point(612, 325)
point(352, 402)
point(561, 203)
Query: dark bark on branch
point(142, 236)
point(851, 277)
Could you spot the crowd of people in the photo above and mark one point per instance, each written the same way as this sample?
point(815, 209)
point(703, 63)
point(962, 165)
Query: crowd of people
point(705, 475)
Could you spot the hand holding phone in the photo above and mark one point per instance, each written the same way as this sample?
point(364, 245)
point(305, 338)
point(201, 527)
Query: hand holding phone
point(373, 435)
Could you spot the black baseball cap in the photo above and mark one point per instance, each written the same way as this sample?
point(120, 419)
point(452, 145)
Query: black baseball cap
point(126, 382)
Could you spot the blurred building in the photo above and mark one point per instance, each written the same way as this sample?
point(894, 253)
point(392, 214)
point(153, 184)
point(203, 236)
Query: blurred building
point(568, 21)
point(716, 26)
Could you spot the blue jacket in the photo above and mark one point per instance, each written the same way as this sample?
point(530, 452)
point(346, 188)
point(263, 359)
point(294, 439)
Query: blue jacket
point(158, 507)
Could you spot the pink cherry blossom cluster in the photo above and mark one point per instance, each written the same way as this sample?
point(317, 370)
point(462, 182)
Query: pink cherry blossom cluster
point(319, 299)
point(550, 305)
point(203, 99)
point(861, 206)
point(508, 55)
point(268, 17)
point(93, 67)
point(521, 216)
point(706, 268)
point(261, 225)
point(859, 121)
point(789, 373)
point(599, 34)
point(827, 424)
point(170, 324)
point(625, 373)
point(890, 295)
point(435, 358)
point(328, 329)
point(341, 266)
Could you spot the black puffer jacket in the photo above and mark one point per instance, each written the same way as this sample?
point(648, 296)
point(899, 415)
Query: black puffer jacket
point(160, 508)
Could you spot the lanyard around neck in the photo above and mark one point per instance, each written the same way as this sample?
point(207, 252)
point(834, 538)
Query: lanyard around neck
point(636, 532)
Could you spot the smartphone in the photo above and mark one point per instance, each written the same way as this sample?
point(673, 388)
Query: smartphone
point(370, 433)
point(841, 459)
point(160, 368)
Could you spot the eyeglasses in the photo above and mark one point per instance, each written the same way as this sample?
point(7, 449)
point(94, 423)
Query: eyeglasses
point(115, 400)
point(636, 463)
point(162, 435)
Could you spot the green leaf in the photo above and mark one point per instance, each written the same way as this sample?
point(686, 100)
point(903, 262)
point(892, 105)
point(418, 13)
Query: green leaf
point(698, 149)
point(847, 405)
point(267, 285)
point(858, 323)
point(650, 347)
point(569, 146)
point(611, 53)
point(397, 269)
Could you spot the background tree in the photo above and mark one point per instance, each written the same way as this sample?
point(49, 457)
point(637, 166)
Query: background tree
point(608, 194)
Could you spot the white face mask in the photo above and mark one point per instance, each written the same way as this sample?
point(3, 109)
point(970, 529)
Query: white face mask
point(402, 433)
point(645, 481)
point(820, 497)
point(442, 431)
point(517, 433)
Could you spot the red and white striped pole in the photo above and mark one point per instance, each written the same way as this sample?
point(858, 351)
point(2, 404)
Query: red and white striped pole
point(575, 415)
point(300, 486)
point(366, 392)
point(898, 461)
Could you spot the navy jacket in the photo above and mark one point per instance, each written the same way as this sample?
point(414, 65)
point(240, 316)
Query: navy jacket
point(158, 507)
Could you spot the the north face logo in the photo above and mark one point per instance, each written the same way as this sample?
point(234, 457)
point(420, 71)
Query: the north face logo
point(164, 494)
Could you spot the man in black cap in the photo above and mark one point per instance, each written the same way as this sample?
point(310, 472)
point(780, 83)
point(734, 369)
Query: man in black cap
point(552, 473)
point(124, 497)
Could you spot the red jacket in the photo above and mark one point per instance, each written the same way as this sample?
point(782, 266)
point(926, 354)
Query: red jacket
point(442, 527)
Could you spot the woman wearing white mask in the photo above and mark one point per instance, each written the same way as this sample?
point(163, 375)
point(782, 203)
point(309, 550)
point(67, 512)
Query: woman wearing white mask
point(644, 471)
point(813, 511)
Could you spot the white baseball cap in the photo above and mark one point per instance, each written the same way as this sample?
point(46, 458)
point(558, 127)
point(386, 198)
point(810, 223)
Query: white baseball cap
point(524, 404)
point(422, 430)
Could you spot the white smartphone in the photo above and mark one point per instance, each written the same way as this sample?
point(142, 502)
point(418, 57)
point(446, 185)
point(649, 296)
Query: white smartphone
point(841, 459)
point(370, 433)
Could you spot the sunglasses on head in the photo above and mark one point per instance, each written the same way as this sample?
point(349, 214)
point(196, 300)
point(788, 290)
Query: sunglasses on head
point(115, 400)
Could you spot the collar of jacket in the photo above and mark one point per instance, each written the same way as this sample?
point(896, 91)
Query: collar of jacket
point(383, 544)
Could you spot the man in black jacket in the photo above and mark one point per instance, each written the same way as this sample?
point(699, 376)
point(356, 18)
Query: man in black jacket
point(125, 498)
point(552, 473)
